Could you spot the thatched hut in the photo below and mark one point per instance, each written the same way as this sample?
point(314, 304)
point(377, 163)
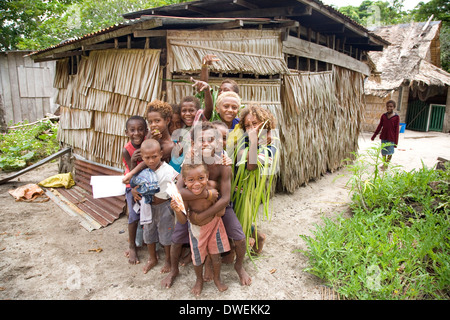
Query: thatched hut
point(302, 59)
point(409, 72)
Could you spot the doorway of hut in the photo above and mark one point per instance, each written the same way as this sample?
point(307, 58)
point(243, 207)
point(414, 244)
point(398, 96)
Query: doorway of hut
point(425, 116)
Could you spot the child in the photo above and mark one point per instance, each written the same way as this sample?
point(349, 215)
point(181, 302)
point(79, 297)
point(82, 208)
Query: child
point(136, 131)
point(176, 122)
point(227, 106)
point(208, 238)
point(229, 85)
point(189, 106)
point(162, 217)
point(258, 124)
point(159, 115)
point(175, 126)
point(205, 144)
point(389, 126)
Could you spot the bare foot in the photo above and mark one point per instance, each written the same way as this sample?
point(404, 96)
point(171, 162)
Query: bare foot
point(220, 285)
point(150, 264)
point(208, 275)
point(243, 275)
point(166, 268)
point(168, 281)
point(131, 254)
point(198, 287)
point(261, 240)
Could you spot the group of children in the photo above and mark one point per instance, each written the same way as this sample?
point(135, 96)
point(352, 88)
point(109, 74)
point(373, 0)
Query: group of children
point(182, 146)
point(185, 147)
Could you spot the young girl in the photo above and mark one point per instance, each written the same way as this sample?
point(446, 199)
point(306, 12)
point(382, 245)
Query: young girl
point(390, 127)
point(136, 131)
point(258, 124)
point(209, 237)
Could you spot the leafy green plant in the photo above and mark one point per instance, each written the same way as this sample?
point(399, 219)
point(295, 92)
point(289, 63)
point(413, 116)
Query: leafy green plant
point(26, 144)
point(396, 245)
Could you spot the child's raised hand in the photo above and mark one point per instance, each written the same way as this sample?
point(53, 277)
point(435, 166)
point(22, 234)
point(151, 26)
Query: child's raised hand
point(199, 85)
point(209, 59)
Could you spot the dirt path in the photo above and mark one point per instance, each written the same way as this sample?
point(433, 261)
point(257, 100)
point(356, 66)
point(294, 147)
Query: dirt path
point(46, 254)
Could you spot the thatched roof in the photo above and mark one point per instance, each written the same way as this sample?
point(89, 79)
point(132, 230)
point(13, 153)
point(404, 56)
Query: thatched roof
point(240, 51)
point(409, 58)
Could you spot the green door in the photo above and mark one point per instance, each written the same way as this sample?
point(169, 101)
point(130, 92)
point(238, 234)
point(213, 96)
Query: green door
point(417, 115)
point(436, 117)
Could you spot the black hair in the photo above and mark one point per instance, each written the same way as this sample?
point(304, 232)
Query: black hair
point(136, 118)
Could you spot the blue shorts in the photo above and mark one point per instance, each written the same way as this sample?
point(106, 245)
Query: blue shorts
point(132, 215)
point(387, 150)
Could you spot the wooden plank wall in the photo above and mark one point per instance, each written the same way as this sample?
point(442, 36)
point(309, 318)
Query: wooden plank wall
point(26, 87)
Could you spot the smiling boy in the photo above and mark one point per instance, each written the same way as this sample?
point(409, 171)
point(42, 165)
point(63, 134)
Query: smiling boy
point(136, 131)
point(209, 237)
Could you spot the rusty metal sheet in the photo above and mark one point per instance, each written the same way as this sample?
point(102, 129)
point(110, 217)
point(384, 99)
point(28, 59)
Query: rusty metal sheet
point(103, 211)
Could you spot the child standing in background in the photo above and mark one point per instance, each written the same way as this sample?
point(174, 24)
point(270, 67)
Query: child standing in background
point(390, 127)
point(136, 131)
point(175, 122)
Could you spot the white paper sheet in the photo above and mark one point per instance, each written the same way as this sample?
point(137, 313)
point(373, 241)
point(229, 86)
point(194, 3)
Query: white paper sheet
point(173, 192)
point(107, 186)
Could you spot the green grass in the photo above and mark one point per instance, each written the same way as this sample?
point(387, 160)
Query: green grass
point(396, 245)
point(27, 144)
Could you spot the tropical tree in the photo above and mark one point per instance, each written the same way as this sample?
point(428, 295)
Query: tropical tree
point(31, 24)
point(440, 10)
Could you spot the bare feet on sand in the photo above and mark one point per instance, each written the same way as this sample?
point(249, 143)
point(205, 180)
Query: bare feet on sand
point(244, 278)
point(169, 279)
point(198, 287)
point(131, 254)
point(166, 268)
point(150, 264)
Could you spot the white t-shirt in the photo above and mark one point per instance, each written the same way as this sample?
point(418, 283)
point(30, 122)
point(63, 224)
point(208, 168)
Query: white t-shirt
point(166, 174)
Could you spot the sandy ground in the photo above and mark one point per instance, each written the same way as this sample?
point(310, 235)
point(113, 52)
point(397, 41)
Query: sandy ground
point(46, 254)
